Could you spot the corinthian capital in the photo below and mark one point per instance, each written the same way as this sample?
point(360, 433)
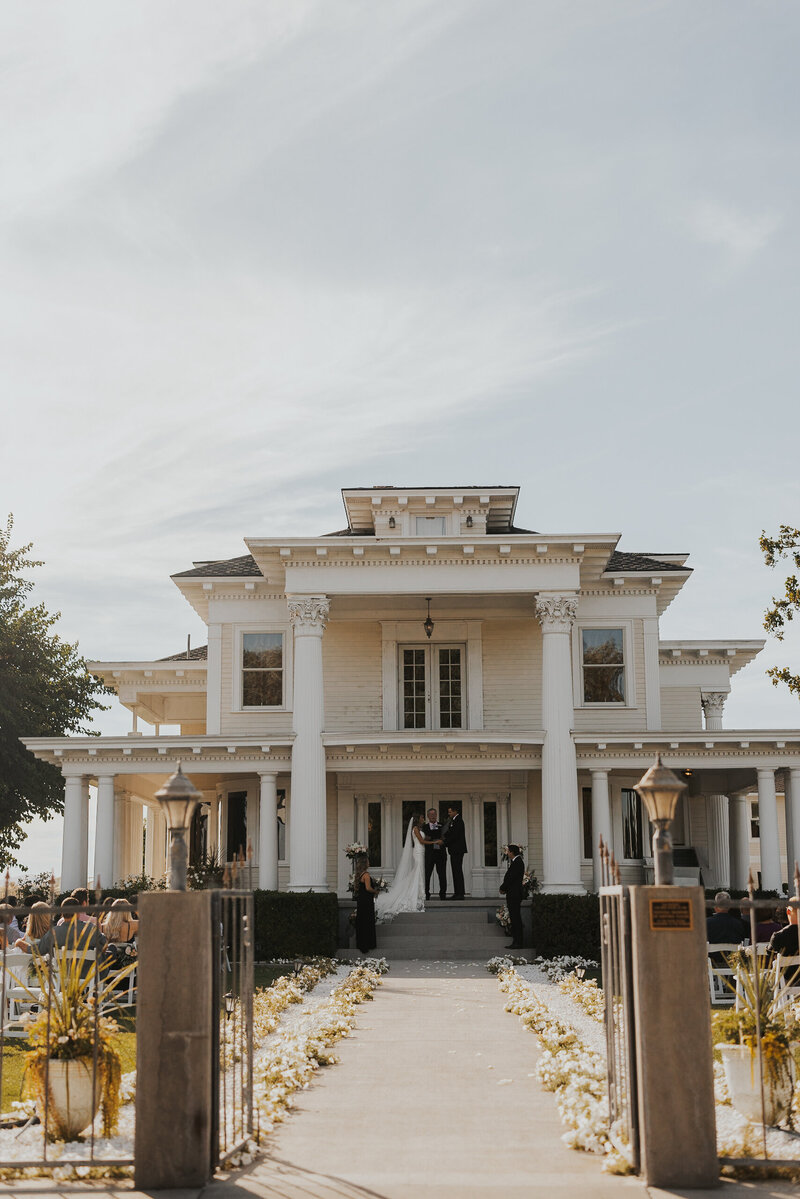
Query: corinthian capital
point(713, 703)
point(309, 613)
point(556, 613)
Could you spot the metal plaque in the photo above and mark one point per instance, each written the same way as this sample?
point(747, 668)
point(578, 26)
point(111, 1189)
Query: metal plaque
point(671, 913)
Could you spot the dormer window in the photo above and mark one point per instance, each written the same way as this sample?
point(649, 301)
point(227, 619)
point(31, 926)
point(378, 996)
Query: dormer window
point(430, 526)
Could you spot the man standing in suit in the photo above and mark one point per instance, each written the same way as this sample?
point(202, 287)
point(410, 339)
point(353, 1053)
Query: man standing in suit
point(512, 889)
point(435, 854)
point(455, 839)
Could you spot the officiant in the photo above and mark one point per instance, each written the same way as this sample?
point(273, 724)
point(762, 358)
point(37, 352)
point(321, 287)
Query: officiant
point(435, 854)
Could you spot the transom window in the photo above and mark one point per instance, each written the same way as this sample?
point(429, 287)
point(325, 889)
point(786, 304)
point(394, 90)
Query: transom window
point(432, 687)
point(262, 670)
point(431, 526)
point(603, 666)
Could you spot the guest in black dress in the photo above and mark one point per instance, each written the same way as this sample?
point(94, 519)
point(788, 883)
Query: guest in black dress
point(366, 891)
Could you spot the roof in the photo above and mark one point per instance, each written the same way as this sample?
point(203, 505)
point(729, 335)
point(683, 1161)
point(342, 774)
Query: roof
point(198, 654)
point(371, 532)
point(621, 561)
point(244, 567)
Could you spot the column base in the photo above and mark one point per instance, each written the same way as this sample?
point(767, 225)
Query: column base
point(561, 889)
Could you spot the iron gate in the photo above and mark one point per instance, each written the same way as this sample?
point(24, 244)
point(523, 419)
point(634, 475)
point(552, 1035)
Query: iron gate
point(623, 1109)
point(232, 1108)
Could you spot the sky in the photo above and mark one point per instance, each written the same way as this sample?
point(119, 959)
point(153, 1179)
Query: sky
point(252, 252)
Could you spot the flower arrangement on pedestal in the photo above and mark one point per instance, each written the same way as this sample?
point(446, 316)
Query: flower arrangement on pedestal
point(356, 850)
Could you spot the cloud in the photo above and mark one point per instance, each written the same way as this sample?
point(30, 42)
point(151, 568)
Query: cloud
point(741, 235)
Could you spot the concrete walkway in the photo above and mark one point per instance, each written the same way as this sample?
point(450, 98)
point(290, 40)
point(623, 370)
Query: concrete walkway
point(434, 1097)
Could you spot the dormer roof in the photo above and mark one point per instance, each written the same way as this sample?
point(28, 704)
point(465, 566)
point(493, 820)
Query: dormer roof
point(496, 503)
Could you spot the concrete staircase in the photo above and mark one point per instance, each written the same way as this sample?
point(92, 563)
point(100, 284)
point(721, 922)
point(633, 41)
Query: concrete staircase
point(445, 931)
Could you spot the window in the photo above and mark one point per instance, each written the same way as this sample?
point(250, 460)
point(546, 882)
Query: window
point(586, 804)
point(632, 825)
point(262, 670)
point(374, 831)
point(236, 838)
point(281, 815)
point(432, 687)
point(431, 526)
point(602, 657)
point(490, 834)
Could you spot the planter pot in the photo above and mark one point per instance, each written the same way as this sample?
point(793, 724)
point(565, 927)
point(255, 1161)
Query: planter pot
point(741, 1076)
point(70, 1106)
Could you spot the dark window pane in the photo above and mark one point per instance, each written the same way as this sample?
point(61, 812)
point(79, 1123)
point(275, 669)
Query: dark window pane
point(237, 824)
point(490, 834)
point(374, 814)
point(588, 840)
point(602, 646)
point(603, 685)
point(632, 840)
point(262, 688)
point(262, 650)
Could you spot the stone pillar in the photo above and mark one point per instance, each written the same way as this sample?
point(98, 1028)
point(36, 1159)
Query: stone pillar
point(768, 829)
point(601, 822)
point(713, 706)
point(104, 831)
point(739, 820)
point(718, 826)
point(268, 833)
point(561, 847)
point(791, 795)
point(72, 851)
point(307, 862)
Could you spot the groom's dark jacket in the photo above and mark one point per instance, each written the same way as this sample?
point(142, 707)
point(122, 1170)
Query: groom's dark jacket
point(512, 881)
point(455, 838)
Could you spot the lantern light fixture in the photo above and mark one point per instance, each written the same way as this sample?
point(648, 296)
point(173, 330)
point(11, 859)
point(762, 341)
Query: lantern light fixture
point(469, 522)
point(427, 624)
point(659, 790)
point(392, 522)
point(178, 799)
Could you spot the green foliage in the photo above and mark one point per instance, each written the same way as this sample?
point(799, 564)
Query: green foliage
point(785, 545)
point(45, 691)
point(566, 924)
point(206, 872)
point(295, 924)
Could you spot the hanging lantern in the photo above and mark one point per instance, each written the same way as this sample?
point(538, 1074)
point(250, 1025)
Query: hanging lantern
point(427, 624)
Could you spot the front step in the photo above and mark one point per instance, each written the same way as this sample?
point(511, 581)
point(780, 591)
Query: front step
point(456, 931)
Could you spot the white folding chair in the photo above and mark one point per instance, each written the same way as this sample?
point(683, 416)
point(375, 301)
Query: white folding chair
point(787, 978)
point(20, 995)
point(721, 975)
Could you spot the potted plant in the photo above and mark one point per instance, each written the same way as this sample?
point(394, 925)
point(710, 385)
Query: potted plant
point(738, 1034)
point(73, 1067)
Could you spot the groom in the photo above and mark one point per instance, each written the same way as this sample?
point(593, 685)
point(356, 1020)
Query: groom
point(455, 840)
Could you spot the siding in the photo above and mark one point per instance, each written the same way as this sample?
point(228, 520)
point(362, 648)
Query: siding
point(512, 675)
point(244, 724)
point(352, 667)
point(681, 709)
point(615, 718)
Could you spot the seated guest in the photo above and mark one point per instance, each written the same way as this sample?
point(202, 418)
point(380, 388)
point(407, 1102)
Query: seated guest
point(39, 922)
point(72, 933)
point(785, 940)
point(769, 922)
point(723, 927)
point(9, 929)
point(118, 926)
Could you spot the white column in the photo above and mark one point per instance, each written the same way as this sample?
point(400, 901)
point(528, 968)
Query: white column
point(136, 839)
point(791, 795)
point(502, 822)
point(768, 830)
point(121, 830)
point(104, 832)
point(473, 877)
point(307, 864)
point(652, 673)
point(362, 829)
point(268, 833)
point(713, 706)
point(214, 679)
point(84, 858)
point(601, 822)
point(739, 819)
point(561, 846)
point(213, 824)
point(718, 825)
point(387, 847)
point(155, 853)
point(71, 848)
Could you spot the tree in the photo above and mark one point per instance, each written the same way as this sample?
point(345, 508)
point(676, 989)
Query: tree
point(45, 691)
point(785, 545)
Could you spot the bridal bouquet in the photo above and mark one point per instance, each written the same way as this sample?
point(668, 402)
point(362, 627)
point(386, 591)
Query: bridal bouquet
point(356, 850)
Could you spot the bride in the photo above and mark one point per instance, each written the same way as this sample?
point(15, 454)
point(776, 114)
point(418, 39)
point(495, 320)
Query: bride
point(407, 892)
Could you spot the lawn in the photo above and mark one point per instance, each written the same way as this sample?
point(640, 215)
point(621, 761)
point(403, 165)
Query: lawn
point(14, 1062)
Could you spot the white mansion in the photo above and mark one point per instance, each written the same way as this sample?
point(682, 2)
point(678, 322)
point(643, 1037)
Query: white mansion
point(327, 707)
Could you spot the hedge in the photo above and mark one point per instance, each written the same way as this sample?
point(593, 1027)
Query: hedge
point(566, 924)
point(293, 924)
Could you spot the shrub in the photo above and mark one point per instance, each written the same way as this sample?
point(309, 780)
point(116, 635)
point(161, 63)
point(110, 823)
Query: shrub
point(566, 924)
point(293, 924)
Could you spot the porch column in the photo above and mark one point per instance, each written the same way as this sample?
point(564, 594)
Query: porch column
point(475, 846)
point(502, 823)
point(136, 839)
point(561, 848)
point(739, 819)
point(73, 847)
point(213, 824)
point(155, 844)
point(84, 859)
point(104, 831)
point(268, 833)
point(791, 797)
point(362, 824)
point(718, 840)
point(387, 838)
point(713, 706)
point(768, 829)
point(307, 864)
point(601, 822)
point(121, 830)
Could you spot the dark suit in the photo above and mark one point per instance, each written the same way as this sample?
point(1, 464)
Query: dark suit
point(512, 889)
point(435, 855)
point(455, 838)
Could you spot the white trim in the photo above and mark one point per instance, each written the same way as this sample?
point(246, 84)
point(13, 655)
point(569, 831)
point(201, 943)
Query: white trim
point(214, 680)
point(626, 625)
point(237, 632)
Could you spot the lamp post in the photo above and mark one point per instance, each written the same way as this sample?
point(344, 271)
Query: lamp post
point(178, 798)
point(659, 789)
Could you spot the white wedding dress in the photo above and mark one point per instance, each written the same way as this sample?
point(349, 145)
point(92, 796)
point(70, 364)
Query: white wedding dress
point(407, 892)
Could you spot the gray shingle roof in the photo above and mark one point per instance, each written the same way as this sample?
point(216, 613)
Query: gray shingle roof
point(620, 560)
point(244, 567)
point(198, 654)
